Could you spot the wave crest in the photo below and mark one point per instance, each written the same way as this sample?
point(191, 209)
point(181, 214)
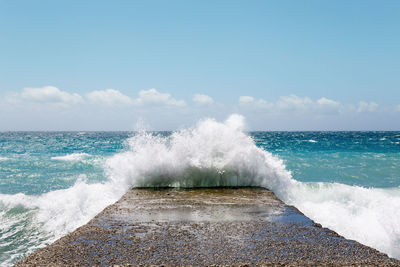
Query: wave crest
point(208, 155)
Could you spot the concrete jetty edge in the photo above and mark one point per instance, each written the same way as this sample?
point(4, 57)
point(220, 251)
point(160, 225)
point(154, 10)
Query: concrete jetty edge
point(204, 226)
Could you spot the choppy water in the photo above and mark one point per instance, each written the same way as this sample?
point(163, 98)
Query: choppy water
point(51, 183)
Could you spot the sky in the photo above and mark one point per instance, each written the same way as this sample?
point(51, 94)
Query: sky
point(163, 65)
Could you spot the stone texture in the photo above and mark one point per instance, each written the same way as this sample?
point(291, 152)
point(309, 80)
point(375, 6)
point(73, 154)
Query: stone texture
point(225, 226)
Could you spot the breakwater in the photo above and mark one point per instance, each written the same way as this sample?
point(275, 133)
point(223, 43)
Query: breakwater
point(222, 226)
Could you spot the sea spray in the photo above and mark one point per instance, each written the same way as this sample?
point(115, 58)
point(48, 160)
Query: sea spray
point(370, 216)
point(221, 154)
point(39, 220)
point(209, 154)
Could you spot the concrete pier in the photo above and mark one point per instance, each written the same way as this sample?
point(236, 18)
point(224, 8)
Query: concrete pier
point(217, 226)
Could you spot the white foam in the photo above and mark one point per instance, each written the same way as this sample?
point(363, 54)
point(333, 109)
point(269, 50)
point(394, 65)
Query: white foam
point(49, 216)
point(71, 157)
point(61, 211)
point(369, 215)
point(3, 158)
point(312, 141)
point(212, 154)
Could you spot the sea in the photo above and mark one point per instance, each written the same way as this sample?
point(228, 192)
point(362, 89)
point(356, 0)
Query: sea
point(53, 182)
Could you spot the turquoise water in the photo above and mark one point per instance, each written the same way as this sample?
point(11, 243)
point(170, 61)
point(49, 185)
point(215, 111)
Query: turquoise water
point(29, 163)
point(53, 182)
point(369, 159)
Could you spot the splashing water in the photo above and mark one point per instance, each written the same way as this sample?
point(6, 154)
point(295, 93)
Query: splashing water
point(209, 154)
point(221, 154)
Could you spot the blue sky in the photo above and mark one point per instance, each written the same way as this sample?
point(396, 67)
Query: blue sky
point(285, 65)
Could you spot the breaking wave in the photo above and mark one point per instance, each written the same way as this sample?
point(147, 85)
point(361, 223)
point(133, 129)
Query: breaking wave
point(209, 154)
point(39, 220)
point(221, 154)
point(370, 216)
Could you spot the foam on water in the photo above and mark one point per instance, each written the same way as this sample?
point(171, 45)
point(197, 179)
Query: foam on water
point(71, 157)
point(369, 215)
point(3, 158)
point(209, 154)
point(39, 220)
point(221, 154)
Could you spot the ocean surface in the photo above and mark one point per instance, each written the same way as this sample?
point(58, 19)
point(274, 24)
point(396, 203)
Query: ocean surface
point(54, 182)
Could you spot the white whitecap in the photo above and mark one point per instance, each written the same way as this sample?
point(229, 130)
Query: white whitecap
point(215, 154)
point(71, 157)
point(197, 157)
point(369, 215)
point(49, 216)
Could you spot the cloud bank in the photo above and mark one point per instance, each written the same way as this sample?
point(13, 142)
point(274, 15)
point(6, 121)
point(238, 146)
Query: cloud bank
point(49, 108)
point(367, 107)
point(295, 104)
point(153, 97)
point(45, 95)
point(202, 99)
point(109, 97)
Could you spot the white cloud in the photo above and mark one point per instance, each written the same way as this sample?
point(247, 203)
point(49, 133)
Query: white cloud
point(329, 106)
point(202, 99)
point(153, 97)
point(249, 101)
point(307, 105)
point(325, 102)
point(293, 103)
point(46, 95)
point(112, 97)
point(367, 107)
point(109, 97)
point(243, 100)
point(37, 109)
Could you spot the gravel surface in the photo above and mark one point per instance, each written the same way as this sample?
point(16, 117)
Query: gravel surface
point(242, 226)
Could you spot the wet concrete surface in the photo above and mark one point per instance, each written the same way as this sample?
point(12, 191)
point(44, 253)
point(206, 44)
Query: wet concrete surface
point(225, 226)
